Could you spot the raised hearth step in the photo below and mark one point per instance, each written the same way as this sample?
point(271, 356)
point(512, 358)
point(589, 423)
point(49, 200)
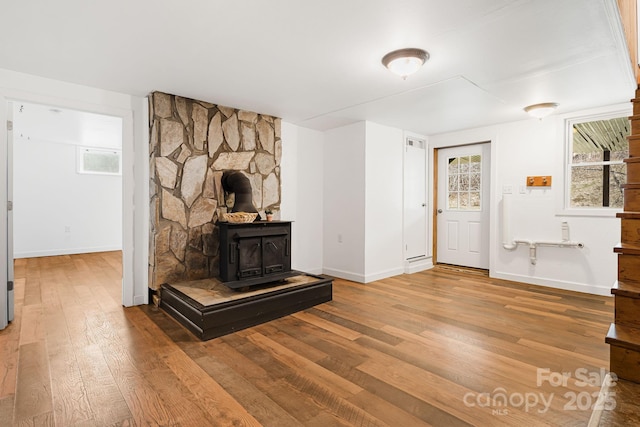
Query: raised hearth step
point(210, 313)
point(246, 284)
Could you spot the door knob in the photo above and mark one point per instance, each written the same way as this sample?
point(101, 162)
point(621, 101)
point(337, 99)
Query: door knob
point(439, 210)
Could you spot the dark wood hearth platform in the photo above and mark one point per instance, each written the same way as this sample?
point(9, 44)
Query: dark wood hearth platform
point(210, 309)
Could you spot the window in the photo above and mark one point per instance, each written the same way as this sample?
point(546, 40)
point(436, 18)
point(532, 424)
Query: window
point(99, 161)
point(595, 167)
point(464, 183)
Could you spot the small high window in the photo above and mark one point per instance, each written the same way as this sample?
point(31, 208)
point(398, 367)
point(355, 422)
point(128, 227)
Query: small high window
point(595, 167)
point(99, 161)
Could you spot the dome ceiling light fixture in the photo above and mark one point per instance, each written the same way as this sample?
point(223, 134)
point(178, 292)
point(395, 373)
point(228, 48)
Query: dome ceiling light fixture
point(405, 62)
point(539, 111)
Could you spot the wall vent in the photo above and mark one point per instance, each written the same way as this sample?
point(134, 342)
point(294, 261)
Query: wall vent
point(416, 143)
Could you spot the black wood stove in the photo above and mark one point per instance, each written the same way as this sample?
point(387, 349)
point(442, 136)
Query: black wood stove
point(255, 253)
point(254, 257)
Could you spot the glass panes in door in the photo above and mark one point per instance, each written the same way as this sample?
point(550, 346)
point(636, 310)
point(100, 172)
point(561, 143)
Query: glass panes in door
point(464, 183)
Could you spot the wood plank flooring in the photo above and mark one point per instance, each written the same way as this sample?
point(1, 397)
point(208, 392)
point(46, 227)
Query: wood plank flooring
point(433, 348)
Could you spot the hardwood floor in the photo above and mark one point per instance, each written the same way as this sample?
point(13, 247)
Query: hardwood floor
point(432, 348)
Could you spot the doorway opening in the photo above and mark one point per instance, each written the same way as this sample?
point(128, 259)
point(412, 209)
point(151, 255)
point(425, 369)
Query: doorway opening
point(65, 182)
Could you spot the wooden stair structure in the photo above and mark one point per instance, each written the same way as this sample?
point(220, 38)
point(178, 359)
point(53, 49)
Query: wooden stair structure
point(624, 333)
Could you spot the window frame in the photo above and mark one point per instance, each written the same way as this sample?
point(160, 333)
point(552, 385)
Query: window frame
point(80, 169)
point(569, 120)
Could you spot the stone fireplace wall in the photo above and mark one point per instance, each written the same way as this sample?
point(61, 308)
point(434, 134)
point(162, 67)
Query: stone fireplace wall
point(191, 144)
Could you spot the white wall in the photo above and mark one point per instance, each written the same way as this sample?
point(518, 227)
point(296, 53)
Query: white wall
point(344, 202)
point(25, 87)
point(362, 183)
point(537, 147)
point(383, 202)
point(302, 194)
point(363, 202)
point(59, 211)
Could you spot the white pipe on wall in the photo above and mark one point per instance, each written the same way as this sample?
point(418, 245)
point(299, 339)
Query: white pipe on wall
point(507, 243)
point(533, 247)
point(511, 245)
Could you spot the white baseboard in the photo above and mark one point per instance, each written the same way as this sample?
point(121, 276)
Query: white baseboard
point(360, 278)
point(558, 284)
point(140, 299)
point(383, 274)
point(309, 270)
point(341, 274)
point(417, 265)
point(66, 251)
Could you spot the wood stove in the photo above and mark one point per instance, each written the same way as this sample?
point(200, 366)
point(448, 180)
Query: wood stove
point(254, 257)
point(255, 253)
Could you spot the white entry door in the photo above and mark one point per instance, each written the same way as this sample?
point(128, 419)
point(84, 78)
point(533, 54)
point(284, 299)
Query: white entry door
point(463, 205)
point(415, 199)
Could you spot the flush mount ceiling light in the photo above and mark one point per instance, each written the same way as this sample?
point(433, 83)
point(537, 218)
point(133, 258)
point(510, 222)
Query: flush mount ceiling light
point(541, 110)
point(404, 62)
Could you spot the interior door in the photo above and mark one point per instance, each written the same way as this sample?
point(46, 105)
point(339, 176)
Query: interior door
point(463, 205)
point(415, 197)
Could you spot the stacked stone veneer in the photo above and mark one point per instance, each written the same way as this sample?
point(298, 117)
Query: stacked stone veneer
point(191, 144)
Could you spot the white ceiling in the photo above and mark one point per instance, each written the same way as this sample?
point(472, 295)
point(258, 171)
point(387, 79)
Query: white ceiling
point(317, 64)
point(42, 123)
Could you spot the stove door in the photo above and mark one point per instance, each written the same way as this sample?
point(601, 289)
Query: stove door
point(249, 257)
point(275, 251)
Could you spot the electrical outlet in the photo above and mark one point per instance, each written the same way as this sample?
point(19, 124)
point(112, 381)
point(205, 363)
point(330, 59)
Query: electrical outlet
point(507, 189)
point(67, 229)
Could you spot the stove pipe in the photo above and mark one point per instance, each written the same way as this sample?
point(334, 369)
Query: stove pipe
point(236, 182)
